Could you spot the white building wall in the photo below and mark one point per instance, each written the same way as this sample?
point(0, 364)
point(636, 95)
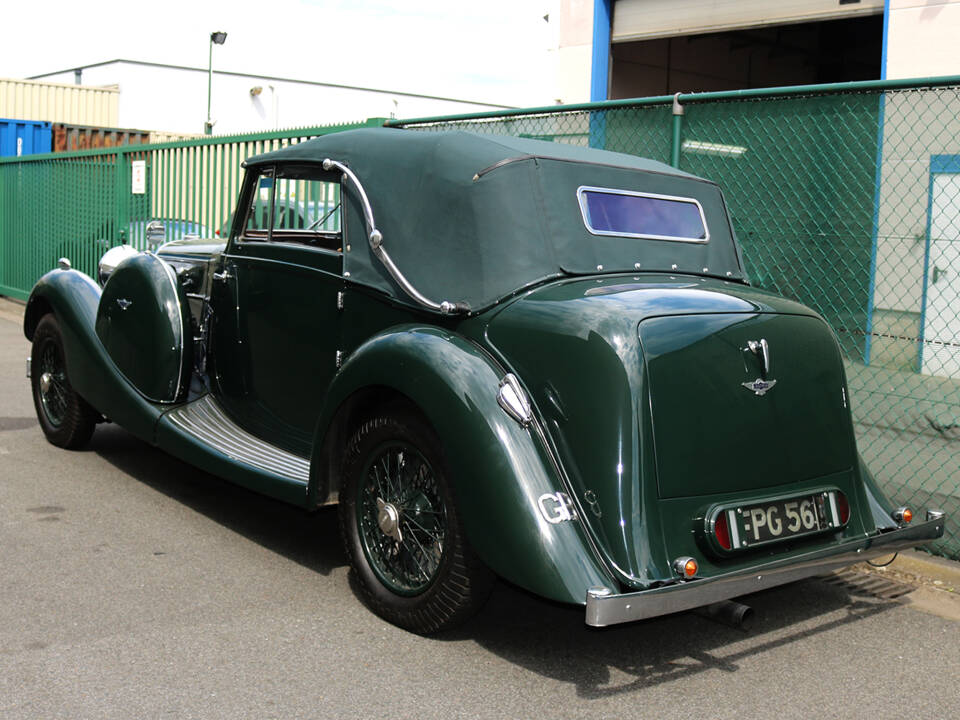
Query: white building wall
point(922, 41)
point(154, 97)
point(922, 38)
point(574, 54)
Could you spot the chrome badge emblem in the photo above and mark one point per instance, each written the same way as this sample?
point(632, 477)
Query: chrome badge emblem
point(759, 386)
point(761, 349)
point(124, 303)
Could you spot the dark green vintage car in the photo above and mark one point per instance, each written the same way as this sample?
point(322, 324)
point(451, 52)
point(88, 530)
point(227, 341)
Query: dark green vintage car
point(501, 357)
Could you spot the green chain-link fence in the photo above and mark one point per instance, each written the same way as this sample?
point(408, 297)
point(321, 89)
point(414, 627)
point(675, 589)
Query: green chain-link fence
point(846, 198)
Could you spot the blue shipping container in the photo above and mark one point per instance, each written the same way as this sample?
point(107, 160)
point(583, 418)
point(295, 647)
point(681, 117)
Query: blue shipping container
point(25, 137)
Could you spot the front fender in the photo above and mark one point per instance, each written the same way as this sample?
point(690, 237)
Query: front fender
point(500, 470)
point(73, 297)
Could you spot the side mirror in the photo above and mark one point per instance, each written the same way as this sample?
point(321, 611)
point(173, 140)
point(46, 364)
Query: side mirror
point(155, 233)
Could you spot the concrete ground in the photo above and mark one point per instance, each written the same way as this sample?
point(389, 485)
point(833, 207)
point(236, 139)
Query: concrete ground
point(132, 585)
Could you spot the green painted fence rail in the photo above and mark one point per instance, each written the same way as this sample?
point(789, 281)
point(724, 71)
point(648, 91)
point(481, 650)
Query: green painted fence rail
point(845, 197)
point(79, 204)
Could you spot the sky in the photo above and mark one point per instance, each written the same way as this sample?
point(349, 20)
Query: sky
point(484, 50)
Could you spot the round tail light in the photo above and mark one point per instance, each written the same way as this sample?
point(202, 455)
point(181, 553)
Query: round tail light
point(843, 508)
point(685, 567)
point(721, 531)
point(903, 515)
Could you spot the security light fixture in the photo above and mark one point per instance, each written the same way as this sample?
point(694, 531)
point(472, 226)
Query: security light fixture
point(216, 38)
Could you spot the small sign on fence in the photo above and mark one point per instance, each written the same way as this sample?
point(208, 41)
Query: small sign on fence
point(138, 174)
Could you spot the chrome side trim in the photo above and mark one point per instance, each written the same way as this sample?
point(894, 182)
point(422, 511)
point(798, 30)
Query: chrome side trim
point(375, 237)
point(606, 608)
point(206, 421)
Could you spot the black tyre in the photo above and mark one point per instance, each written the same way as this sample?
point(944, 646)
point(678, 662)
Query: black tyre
point(65, 417)
point(401, 529)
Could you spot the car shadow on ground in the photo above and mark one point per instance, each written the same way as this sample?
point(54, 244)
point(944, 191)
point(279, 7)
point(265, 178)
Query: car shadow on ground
point(544, 637)
point(552, 640)
point(310, 539)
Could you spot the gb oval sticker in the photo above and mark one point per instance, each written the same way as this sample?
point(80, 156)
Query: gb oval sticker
point(556, 507)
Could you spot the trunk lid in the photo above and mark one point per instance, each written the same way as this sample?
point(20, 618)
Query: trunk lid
point(716, 428)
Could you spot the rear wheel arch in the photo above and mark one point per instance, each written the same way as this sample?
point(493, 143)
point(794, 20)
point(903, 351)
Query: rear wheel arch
point(499, 468)
point(350, 414)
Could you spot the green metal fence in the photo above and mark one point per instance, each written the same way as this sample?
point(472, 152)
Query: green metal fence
point(847, 198)
point(79, 204)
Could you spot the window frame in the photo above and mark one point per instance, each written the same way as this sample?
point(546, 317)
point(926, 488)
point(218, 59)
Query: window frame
point(584, 214)
point(317, 240)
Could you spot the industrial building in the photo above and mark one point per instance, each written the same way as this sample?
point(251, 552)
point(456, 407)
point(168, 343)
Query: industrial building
point(610, 49)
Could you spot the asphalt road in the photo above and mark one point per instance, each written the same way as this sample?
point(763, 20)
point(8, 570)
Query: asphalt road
point(133, 586)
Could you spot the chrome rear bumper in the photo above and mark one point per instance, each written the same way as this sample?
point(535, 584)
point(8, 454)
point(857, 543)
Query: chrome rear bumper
point(604, 607)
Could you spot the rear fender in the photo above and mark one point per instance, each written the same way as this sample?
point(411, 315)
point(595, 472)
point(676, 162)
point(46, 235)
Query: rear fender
point(73, 297)
point(500, 470)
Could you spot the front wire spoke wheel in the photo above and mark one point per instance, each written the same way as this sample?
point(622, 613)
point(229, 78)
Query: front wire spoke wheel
point(65, 417)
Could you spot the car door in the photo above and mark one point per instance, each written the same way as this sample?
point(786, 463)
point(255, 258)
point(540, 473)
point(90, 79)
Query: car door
point(277, 327)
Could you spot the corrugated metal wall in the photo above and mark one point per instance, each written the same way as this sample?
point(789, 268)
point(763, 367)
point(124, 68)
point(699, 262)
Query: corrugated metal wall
point(646, 19)
point(53, 102)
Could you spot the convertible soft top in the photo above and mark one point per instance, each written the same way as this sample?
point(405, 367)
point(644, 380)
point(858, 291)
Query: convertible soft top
point(473, 218)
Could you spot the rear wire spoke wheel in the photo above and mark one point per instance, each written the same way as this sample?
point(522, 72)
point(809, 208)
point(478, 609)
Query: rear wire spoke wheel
point(401, 529)
point(65, 417)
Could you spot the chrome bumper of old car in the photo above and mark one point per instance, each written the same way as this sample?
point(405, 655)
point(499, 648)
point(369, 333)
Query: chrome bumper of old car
point(604, 607)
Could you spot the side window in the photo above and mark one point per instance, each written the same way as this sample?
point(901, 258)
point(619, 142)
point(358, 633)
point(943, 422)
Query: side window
point(306, 205)
point(299, 204)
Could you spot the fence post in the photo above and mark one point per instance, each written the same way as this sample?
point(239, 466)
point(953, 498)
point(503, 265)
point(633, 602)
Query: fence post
point(122, 189)
point(677, 132)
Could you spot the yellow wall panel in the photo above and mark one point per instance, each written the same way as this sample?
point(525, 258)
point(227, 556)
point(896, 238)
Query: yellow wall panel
point(53, 102)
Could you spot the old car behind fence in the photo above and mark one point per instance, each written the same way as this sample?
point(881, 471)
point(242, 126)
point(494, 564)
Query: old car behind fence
point(844, 197)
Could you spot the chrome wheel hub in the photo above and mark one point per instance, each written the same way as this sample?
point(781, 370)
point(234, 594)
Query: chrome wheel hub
point(46, 380)
point(388, 518)
point(401, 518)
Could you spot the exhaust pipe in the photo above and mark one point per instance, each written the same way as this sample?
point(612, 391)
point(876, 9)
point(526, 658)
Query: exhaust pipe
point(730, 613)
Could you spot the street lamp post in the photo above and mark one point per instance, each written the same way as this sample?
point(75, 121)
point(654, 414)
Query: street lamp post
point(216, 38)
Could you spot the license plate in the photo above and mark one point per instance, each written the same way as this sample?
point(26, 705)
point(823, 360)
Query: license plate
point(779, 519)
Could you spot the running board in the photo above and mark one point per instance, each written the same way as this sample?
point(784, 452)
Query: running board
point(206, 422)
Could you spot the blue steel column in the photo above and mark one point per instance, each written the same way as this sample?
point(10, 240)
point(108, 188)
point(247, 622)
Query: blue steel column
point(868, 345)
point(600, 70)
